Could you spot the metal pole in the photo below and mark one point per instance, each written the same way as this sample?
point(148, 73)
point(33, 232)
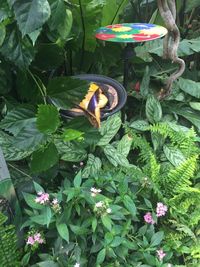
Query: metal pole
point(127, 54)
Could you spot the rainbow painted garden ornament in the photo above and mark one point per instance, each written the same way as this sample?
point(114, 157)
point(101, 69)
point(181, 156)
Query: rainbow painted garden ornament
point(130, 32)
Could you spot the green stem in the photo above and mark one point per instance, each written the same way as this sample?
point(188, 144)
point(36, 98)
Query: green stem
point(25, 174)
point(39, 87)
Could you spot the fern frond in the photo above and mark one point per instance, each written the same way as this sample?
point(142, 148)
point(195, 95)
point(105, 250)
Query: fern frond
point(185, 141)
point(178, 179)
point(141, 143)
point(9, 256)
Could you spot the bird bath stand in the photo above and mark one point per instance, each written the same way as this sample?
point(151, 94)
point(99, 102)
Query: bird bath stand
point(130, 34)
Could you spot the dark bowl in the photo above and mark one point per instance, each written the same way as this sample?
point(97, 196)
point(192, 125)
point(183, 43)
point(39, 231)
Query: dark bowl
point(120, 90)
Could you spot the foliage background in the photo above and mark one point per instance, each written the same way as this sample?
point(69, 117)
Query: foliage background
point(154, 158)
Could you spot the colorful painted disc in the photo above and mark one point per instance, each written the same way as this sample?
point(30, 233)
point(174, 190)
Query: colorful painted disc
point(130, 32)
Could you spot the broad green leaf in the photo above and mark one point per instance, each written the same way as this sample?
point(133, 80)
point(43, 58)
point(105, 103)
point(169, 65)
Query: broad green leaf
point(11, 153)
point(17, 119)
point(5, 11)
point(140, 125)
point(130, 205)
point(38, 188)
point(94, 224)
point(47, 118)
point(109, 128)
point(124, 145)
point(2, 34)
point(189, 114)
point(34, 35)
point(117, 241)
point(144, 86)
point(29, 138)
point(25, 259)
point(72, 134)
point(174, 155)
point(78, 230)
point(78, 179)
point(30, 201)
point(186, 48)
point(195, 105)
point(157, 238)
point(92, 167)
point(70, 151)
point(107, 222)
point(190, 87)
point(44, 158)
point(101, 256)
point(153, 109)
point(66, 92)
point(151, 260)
point(48, 264)
point(86, 28)
point(63, 231)
point(44, 218)
point(111, 11)
point(115, 157)
point(30, 14)
point(61, 19)
point(19, 51)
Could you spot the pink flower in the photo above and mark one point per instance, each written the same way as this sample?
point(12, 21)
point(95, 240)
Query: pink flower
point(160, 254)
point(30, 240)
point(42, 198)
point(37, 236)
point(148, 218)
point(161, 209)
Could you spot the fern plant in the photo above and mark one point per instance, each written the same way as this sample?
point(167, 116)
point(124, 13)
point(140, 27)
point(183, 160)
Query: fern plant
point(9, 256)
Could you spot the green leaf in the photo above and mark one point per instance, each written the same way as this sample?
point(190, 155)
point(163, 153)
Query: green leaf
point(153, 109)
point(29, 138)
point(70, 151)
point(190, 87)
point(174, 155)
point(44, 218)
point(38, 188)
point(109, 128)
point(30, 14)
point(66, 92)
point(130, 205)
point(72, 134)
point(44, 158)
point(47, 264)
point(11, 153)
point(63, 231)
point(115, 157)
point(140, 125)
point(61, 19)
point(157, 238)
point(78, 179)
point(101, 256)
point(144, 86)
point(47, 118)
point(195, 105)
point(92, 167)
point(94, 224)
point(111, 11)
point(17, 119)
point(2, 34)
point(124, 145)
point(5, 11)
point(107, 222)
point(25, 259)
point(30, 201)
point(19, 51)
